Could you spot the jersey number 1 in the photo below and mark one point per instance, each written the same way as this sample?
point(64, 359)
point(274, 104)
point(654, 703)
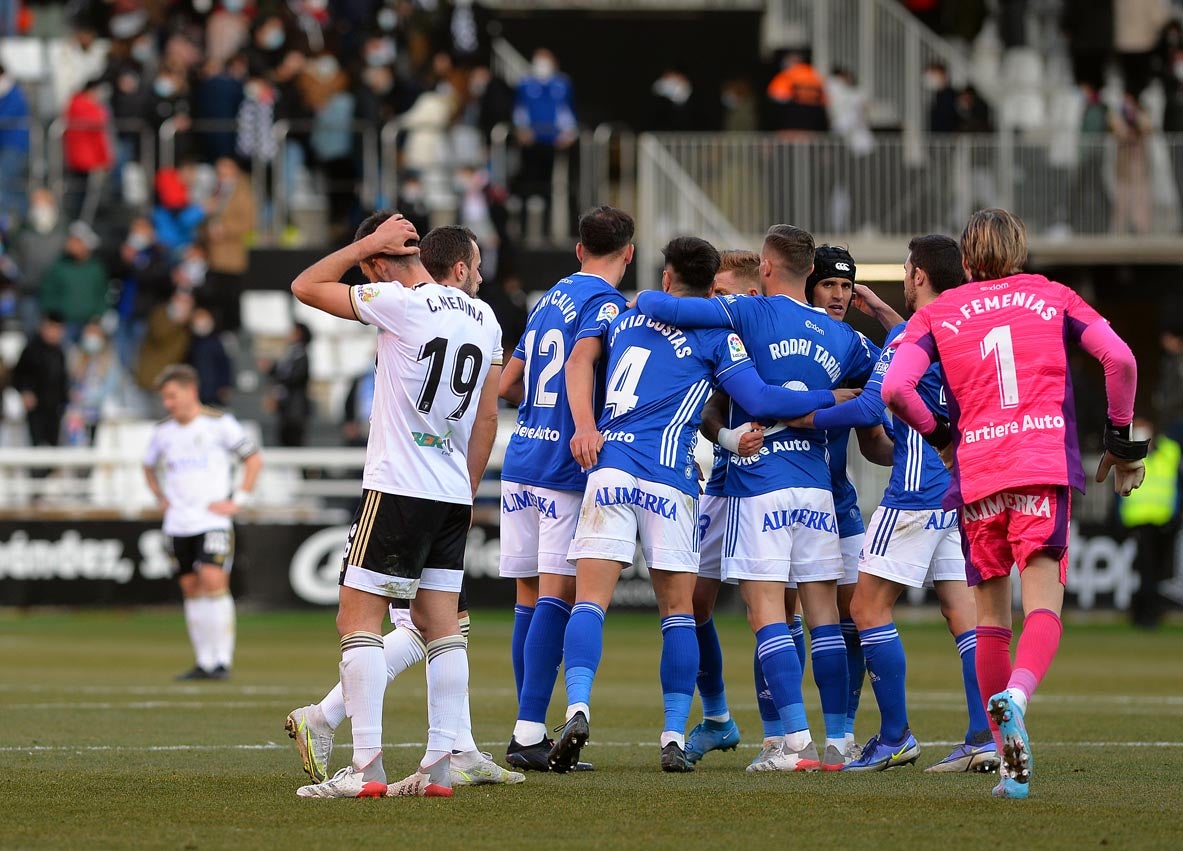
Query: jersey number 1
point(1000, 343)
point(465, 368)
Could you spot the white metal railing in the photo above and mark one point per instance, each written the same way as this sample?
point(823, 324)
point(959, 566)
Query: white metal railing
point(507, 63)
point(64, 480)
point(109, 477)
point(672, 202)
point(879, 41)
point(1079, 187)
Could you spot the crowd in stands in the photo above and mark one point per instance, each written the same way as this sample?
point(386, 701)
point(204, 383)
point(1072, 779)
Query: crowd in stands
point(137, 259)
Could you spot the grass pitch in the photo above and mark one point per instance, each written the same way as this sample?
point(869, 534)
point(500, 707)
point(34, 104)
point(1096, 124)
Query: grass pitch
point(101, 749)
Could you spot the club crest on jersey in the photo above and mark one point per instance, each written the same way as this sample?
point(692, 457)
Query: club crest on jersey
point(367, 293)
point(735, 348)
point(607, 313)
point(434, 441)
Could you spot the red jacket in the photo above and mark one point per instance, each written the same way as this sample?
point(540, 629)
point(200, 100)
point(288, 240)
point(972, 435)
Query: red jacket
point(86, 142)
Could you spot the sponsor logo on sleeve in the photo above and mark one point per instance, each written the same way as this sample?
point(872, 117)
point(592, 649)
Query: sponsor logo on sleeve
point(607, 313)
point(735, 348)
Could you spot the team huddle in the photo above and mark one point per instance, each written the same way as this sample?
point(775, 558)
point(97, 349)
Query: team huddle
point(969, 403)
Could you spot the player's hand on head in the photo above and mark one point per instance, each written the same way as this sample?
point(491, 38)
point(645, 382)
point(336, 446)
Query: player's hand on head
point(392, 236)
point(586, 446)
point(751, 442)
point(225, 507)
point(1127, 475)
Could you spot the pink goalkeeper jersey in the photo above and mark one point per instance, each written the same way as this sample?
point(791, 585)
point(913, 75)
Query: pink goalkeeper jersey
point(1002, 346)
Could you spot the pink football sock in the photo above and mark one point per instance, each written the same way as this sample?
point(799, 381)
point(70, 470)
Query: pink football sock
point(993, 667)
point(1038, 644)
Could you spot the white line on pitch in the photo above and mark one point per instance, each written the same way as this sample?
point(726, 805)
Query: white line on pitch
point(268, 746)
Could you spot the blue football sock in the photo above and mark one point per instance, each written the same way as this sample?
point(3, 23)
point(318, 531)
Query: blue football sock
point(710, 671)
point(884, 653)
point(679, 664)
point(773, 728)
point(522, 615)
point(583, 645)
point(544, 654)
point(797, 630)
point(782, 672)
point(829, 672)
point(856, 669)
point(967, 646)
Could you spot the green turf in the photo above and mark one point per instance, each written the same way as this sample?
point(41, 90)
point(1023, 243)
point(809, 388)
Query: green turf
point(88, 711)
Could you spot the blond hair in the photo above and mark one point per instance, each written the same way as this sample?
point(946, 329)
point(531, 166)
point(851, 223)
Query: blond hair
point(994, 244)
point(744, 264)
point(179, 373)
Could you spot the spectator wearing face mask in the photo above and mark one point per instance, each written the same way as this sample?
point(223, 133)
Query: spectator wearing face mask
point(208, 356)
point(167, 339)
point(144, 273)
point(190, 273)
point(324, 87)
point(76, 286)
point(230, 219)
point(39, 242)
point(14, 145)
point(544, 120)
point(673, 106)
point(94, 384)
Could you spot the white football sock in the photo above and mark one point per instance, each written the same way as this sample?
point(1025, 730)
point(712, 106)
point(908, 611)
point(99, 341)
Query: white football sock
point(192, 610)
point(401, 647)
point(797, 741)
point(202, 631)
point(363, 684)
point(840, 744)
point(671, 736)
point(529, 732)
point(222, 628)
point(578, 707)
point(447, 694)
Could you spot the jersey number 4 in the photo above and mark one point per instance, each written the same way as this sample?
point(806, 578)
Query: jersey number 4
point(999, 342)
point(466, 367)
point(621, 390)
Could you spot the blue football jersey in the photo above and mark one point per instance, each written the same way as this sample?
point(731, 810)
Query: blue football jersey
point(850, 519)
point(918, 476)
point(539, 450)
point(801, 347)
point(718, 480)
point(659, 378)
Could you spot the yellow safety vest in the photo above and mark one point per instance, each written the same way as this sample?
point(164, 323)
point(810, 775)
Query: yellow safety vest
point(1153, 504)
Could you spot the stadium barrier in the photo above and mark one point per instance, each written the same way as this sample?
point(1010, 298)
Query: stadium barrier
point(87, 533)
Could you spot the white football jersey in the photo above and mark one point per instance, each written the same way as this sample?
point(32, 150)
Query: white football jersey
point(198, 461)
point(435, 347)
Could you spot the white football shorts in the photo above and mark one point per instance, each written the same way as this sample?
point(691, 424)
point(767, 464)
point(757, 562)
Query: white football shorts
point(913, 548)
point(537, 525)
point(618, 507)
point(783, 535)
point(712, 520)
point(852, 548)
